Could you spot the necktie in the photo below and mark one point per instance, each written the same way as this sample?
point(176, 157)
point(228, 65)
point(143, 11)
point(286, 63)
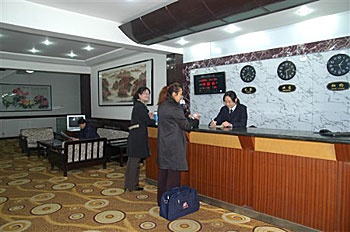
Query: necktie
point(231, 111)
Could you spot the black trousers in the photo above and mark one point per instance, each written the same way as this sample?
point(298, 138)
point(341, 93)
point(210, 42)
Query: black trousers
point(167, 179)
point(132, 173)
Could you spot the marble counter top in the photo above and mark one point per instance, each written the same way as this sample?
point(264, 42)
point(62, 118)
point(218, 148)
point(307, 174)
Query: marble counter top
point(275, 133)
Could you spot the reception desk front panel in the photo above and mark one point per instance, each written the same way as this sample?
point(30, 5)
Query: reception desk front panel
point(302, 181)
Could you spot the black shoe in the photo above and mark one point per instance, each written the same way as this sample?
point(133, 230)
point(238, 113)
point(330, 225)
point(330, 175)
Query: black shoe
point(136, 189)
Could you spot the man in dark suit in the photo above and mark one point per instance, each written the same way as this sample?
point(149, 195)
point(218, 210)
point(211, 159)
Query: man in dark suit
point(233, 114)
point(86, 130)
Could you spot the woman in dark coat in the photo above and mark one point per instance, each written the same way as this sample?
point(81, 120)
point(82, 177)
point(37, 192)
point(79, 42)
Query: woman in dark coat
point(172, 124)
point(138, 149)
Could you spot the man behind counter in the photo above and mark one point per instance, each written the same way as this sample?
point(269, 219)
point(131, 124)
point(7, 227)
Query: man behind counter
point(232, 114)
point(86, 130)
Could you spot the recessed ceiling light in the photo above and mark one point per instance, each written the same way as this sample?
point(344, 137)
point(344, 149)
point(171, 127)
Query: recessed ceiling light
point(231, 28)
point(88, 48)
point(29, 71)
point(47, 42)
point(182, 41)
point(71, 54)
point(304, 10)
point(33, 50)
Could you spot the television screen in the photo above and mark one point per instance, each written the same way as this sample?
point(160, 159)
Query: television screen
point(210, 83)
point(72, 122)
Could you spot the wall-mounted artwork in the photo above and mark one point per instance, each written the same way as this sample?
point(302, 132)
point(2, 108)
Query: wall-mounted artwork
point(18, 97)
point(117, 86)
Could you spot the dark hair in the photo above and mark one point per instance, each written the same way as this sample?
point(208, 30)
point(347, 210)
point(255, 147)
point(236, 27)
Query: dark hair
point(81, 121)
point(167, 91)
point(230, 94)
point(140, 91)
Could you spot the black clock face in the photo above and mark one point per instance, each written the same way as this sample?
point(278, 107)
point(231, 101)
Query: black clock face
point(248, 73)
point(286, 70)
point(338, 64)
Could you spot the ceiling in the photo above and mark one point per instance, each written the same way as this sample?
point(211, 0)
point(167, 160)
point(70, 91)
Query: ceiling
point(17, 41)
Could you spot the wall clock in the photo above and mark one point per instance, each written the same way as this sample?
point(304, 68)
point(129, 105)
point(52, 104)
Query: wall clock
point(338, 64)
point(286, 70)
point(248, 73)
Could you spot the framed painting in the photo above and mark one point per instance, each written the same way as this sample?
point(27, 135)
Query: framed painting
point(19, 97)
point(117, 86)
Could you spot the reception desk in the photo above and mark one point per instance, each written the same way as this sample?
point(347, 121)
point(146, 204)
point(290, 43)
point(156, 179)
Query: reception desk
point(298, 176)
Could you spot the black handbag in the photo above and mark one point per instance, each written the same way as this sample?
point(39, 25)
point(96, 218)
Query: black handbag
point(178, 202)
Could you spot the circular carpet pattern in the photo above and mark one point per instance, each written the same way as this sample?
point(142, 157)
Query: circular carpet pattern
point(268, 229)
point(58, 179)
point(184, 225)
point(109, 216)
point(16, 226)
point(63, 186)
point(19, 182)
point(3, 199)
point(142, 196)
point(46, 209)
point(76, 216)
point(235, 218)
point(2, 166)
point(43, 197)
point(37, 169)
point(103, 183)
point(96, 204)
point(150, 188)
point(16, 208)
point(154, 211)
point(88, 190)
point(112, 191)
point(39, 186)
point(115, 175)
point(148, 225)
point(18, 175)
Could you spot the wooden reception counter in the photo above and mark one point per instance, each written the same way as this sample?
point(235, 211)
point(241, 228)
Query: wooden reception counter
point(298, 176)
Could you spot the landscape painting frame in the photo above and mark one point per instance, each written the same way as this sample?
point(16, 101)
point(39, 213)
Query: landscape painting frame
point(117, 85)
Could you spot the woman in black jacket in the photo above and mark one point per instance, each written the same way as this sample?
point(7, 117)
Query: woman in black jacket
point(172, 124)
point(137, 148)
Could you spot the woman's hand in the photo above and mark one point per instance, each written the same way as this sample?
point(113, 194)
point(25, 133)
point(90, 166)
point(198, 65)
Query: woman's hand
point(227, 124)
point(212, 123)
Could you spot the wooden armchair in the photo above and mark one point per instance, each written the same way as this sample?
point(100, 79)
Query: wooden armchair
point(78, 153)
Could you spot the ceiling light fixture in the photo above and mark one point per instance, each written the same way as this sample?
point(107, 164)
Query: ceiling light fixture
point(88, 48)
point(231, 28)
point(71, 54)
point(33, 50)
point(47, 42)
point(182, 41)
point(29, 71)
point(304, 10)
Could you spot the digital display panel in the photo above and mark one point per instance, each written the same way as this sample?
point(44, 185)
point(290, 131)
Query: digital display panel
point(210, 83)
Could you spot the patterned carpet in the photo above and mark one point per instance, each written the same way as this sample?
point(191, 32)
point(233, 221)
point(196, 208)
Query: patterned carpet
point(34, 198)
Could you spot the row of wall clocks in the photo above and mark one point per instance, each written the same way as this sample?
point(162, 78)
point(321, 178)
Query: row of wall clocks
point(337, 65)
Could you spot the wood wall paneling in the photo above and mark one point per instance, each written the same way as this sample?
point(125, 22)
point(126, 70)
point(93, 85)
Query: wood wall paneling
point(343, 201)
point(297, 189)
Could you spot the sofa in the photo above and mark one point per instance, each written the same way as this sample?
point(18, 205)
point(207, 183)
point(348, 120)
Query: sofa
point(29, 137)
point(78, 153)
point(116, 142)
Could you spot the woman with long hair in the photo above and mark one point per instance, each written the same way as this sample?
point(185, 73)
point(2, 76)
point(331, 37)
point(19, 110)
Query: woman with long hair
point(172, 125)
point(137, 148)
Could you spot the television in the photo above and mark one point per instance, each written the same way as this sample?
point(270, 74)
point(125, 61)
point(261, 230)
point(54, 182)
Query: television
point(210, 83)
point(72, 122)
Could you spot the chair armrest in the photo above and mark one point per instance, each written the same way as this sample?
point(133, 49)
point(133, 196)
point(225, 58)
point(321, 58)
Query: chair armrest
point(58, 136)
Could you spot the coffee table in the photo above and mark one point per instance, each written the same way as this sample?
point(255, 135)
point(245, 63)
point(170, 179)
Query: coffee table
point(44, 145)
